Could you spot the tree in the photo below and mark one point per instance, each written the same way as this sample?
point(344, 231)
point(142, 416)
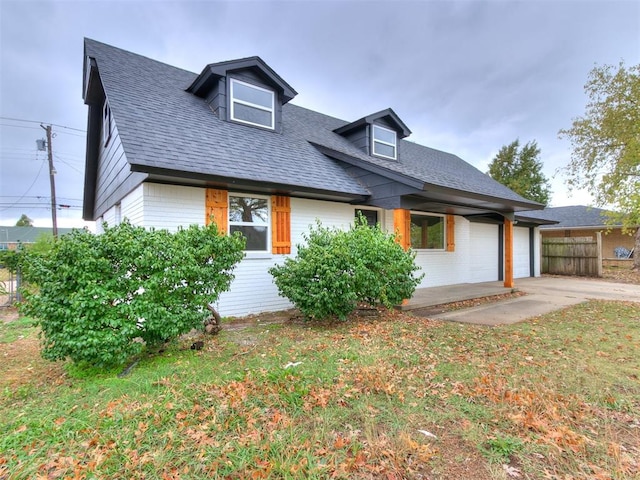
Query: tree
point(24, 221)
point(339, 269)
point(521, 171)
point(605, 142)
point(96, 296)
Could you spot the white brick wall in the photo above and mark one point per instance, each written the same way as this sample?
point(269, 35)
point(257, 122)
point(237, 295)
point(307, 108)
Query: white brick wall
point(132, 206)
point(253, 291)
point(170, 206)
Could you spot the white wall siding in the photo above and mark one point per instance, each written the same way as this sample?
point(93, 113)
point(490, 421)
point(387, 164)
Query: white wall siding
point(132, 206)
point(446, 268)
point(475, 258)
point(304, 214)
point(170, 206)
point(253, 289)
point(109, 217)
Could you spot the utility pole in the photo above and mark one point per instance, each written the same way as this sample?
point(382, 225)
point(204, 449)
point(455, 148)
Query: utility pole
point(52, 172)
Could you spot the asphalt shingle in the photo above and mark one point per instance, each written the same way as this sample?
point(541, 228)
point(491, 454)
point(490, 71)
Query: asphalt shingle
point(162, 125)
point(570, 217)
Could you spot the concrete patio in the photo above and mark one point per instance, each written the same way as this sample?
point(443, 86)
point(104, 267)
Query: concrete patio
point(428, 297)
point(543, 295)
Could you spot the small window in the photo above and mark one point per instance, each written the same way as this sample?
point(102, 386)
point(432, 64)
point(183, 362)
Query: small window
point(370, 215)
point(251, 104)
point(249, 215)
point(384, 142)
point(106, 123)
point(427, 232)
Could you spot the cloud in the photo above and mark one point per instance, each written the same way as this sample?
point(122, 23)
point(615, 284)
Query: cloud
point(466, 76)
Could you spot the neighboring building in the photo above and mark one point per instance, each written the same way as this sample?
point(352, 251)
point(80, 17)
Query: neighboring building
point(167, 147)
point(582, 221)
point(11, 237)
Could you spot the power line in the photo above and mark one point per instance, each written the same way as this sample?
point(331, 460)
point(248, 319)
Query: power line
point(28, 189)
point(47, 123)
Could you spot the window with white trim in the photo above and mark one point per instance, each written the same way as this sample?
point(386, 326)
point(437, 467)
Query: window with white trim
point(252, 104)
point(249, 215)
point(427, 231)
point(384, 142)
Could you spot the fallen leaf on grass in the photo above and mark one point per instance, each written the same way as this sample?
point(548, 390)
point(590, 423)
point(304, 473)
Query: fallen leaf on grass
point(511, 471)
point(292, 364)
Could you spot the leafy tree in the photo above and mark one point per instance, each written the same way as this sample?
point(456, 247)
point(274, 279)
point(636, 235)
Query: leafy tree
point(97, 296)
point(24, 221)
point(521, 170)
point(606, 145)
point(337, 269)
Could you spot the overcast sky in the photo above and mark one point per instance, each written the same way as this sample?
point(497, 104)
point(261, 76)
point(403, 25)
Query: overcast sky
point(465, 76)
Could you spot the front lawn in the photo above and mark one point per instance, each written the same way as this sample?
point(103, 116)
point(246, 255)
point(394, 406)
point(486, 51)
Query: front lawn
point(557, 397)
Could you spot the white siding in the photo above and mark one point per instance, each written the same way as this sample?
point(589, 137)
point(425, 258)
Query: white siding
point(109, 217)
point(475, 258)
point(170, 206)
point(253, 290)
point(521, 267)
point(483, 258)
point(446, 268)
point(132, 206)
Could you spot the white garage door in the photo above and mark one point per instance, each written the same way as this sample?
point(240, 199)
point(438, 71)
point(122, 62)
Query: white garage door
point(484, 252)
point(521, 252)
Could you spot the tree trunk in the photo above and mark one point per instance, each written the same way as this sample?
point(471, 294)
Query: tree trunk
point(636, 251)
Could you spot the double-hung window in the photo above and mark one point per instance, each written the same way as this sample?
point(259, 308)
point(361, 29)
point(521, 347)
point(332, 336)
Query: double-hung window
point(427, 231)
point(252, 104)
point(249, 215)
point(384, 142)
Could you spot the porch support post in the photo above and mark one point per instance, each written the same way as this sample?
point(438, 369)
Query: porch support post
point(508, 253)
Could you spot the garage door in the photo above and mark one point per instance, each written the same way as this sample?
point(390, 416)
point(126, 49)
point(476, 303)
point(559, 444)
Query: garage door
point(521, 252)
point(484, 252)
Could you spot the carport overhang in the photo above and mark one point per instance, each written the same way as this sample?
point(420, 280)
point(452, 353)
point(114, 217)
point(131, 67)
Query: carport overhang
point(394, 190)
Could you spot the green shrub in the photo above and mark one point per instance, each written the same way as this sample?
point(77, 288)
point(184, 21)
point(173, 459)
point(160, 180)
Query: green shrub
point(96, 296)
point(338, 269)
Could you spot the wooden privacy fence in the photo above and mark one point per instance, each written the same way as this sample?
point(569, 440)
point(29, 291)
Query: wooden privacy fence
point(572, 256)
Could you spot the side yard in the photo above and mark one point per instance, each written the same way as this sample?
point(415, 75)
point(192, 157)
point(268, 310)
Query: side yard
point(556, 397)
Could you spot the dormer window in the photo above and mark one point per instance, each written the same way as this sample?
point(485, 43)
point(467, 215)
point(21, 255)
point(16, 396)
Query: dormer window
point(252, 105)
point(384, 142)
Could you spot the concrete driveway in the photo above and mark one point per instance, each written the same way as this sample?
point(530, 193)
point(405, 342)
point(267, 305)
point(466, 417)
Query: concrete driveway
point(544, 295)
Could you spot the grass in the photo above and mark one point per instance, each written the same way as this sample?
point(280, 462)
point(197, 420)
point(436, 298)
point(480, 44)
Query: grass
point(554, 397)
point(16, 329)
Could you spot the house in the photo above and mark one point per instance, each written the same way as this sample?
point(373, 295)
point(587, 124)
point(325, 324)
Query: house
point(583, 221)
point(11, 236)
point(167, 147)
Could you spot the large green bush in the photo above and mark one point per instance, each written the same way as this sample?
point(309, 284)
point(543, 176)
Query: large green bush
point(338, 269)
point(97, 296)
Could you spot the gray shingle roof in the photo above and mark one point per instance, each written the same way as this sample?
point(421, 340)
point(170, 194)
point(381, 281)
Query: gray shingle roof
point(571, 217)
point(161, 125)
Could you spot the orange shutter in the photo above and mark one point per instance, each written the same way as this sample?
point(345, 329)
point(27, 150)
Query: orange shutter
point(217, 209)
point(280, 224)
point(402, 227)
point(451, 235)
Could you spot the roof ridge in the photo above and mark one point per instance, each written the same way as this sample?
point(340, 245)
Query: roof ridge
point(129, 52)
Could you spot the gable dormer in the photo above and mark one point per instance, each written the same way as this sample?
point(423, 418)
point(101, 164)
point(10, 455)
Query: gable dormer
point(245, 91)
point(376, 134)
